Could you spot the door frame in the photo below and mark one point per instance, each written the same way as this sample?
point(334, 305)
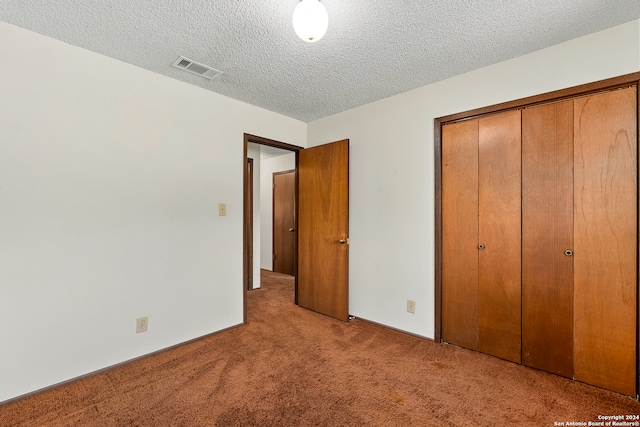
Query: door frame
point(248, 223)
point(549, 97)
point(247, 138)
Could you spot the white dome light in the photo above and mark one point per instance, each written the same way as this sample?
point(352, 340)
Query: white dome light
point(310, 20)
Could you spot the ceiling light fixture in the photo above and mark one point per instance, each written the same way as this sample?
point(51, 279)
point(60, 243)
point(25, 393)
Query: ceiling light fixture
point(310, 20)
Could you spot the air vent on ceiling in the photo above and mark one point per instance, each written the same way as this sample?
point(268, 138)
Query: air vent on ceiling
point(196, 68)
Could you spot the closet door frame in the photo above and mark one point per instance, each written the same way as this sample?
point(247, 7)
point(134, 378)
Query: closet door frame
point(559, 95)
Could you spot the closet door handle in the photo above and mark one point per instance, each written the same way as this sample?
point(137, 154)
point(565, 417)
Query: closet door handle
point(481, 246)
point(568, 252)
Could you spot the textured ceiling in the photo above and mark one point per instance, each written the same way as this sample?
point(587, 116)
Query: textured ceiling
point(372, 49)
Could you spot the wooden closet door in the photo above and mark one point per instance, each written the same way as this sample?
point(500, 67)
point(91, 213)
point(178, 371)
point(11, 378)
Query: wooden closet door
point(499, 196)
point(460, 234)
point(547, 232)
point(605, 215)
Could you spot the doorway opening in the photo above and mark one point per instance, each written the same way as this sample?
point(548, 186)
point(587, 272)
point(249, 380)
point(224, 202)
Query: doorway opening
point(321, 225)
point(262, 157)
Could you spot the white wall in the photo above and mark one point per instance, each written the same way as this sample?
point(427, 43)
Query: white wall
point(110, 178)
point(392, 165)
point(269, 166)
point(253, 152)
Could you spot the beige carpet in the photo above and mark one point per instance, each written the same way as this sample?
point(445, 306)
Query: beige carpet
point(292, 367)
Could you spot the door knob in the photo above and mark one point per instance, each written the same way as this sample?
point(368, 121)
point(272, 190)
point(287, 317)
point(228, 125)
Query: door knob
point(342, 241)
point(568, 252)
point(481, 246)
point(292, 229)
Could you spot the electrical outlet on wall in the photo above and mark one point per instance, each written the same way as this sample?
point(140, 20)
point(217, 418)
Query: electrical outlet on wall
point(142, 323)
point(411, 306)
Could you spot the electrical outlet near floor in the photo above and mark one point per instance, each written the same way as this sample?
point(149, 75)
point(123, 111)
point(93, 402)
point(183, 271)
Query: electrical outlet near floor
point(411, 306)
point(142, 323)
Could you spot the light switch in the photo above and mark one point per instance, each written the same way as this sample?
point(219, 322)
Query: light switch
point(222, 209)
point(411, 306)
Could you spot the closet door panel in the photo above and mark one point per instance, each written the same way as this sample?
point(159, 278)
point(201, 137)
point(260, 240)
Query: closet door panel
point(460, 234)
point(605, 215)
point(499, 232)
point(547, 232)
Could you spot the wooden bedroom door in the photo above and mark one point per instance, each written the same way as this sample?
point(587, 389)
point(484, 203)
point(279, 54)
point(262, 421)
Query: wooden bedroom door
point(284, 221)
point(323, 229)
